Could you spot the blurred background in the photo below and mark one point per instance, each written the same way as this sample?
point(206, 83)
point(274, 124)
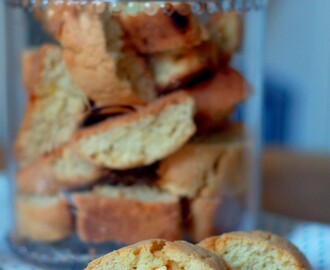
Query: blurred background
point(297, 75)
point(296, 112)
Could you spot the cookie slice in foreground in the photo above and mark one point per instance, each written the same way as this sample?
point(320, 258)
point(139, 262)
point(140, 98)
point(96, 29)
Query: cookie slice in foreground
point(158, 255)
point(256, 250)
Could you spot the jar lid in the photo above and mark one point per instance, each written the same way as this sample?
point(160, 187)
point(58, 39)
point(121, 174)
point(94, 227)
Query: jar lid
point(197, 6)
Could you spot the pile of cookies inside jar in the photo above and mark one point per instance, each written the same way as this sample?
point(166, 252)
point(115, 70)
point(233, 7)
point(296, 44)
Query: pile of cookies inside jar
point(129, 128)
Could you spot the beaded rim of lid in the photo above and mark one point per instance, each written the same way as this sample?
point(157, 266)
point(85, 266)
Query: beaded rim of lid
point(197, 6)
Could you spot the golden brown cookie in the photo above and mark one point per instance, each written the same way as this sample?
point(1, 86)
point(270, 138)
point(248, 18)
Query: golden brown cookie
point(256, 250)
point(201, 219)
point(158, 255)
point(97, 57)
point(216, 98)
point(159, 32)
point(127, 214)
point(226, 30)
point(43, 218)
point(61, 169)
point(139, 138)
point(206, 167)
point(54, 104)
point(173, 69)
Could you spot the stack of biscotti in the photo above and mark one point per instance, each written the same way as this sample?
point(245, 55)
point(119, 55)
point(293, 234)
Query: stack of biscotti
point(256, 250)
point(126, 133)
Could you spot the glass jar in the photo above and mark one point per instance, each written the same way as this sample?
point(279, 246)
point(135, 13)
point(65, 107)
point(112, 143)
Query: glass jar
point(131, 120)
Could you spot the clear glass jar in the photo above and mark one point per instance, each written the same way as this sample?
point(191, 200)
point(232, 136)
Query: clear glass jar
point(131, 120)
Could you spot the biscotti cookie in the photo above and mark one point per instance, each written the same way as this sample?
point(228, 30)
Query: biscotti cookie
point(216, 98)
point(61, 169)
point(127, 214)
point(139, 138)
point(256, 250)
point(43, 218)
point(201, 219)
point(54, 103)
point(173, 69)
point(97, 57)
point(159, 32)
point(159, 255)
point(204, 168)
point(186, 171)
point(225, 30)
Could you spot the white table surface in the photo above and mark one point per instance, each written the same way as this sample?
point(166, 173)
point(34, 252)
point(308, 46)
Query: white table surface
point(313, 239)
